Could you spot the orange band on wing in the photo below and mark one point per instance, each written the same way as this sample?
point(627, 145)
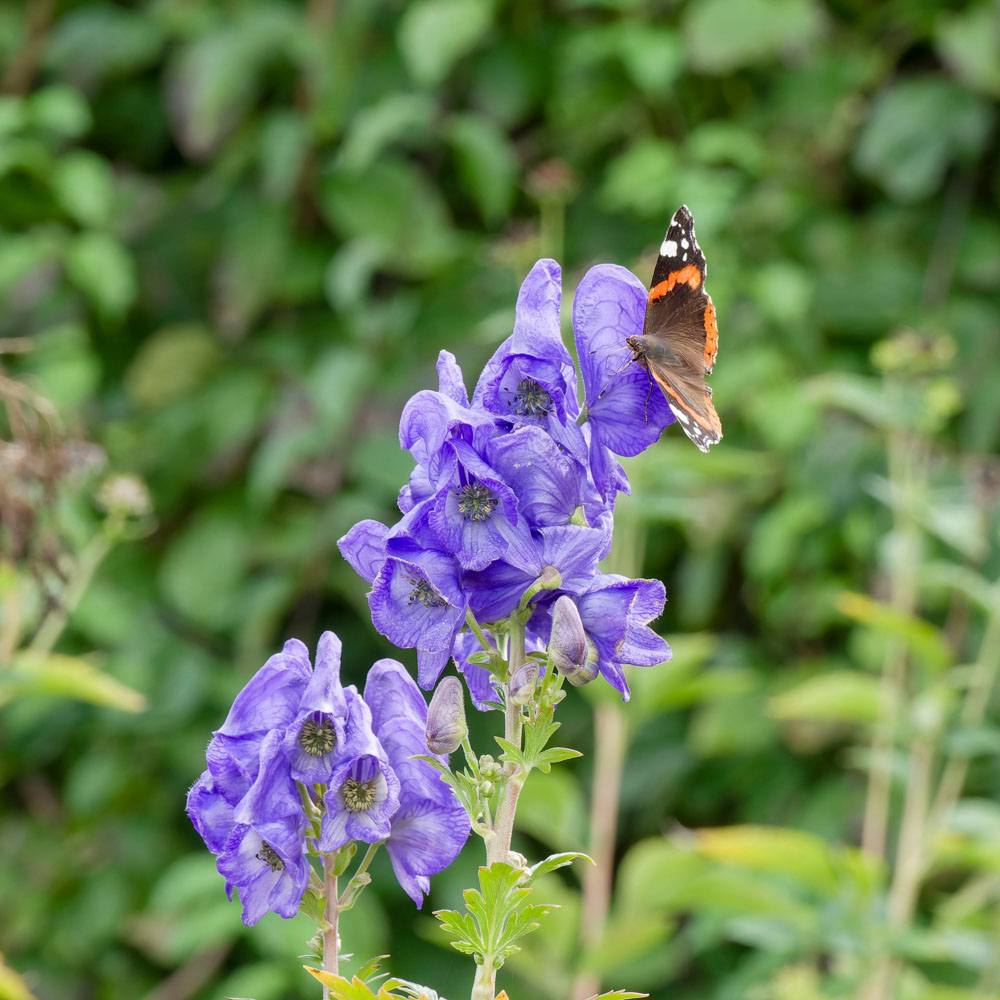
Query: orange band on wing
point(714, 424)
point(711, 336)
point(689, 275)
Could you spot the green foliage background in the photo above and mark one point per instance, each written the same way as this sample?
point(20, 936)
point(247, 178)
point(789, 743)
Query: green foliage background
point(234, 236)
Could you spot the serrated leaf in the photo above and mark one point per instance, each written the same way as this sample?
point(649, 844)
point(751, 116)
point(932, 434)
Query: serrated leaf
point(555, 755)
point(370, 968)
point(554, 862)
point(619, 995)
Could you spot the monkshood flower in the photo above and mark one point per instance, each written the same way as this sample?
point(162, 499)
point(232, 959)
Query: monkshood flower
point(296, 737)
point(431, 826)
point(615, 613)
point(626, 412)
point(531, 379)
point(264, 855)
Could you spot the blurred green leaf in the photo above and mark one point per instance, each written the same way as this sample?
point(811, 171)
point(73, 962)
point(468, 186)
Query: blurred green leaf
point(84, 184)
point(103, 271)
point(54, 674)
point(435, 34)
point(723, 35)
point(487, 164)
point(832, 696)
point(897, 149)
point(99, 41)
point(170, 364)
point(926, 640)
point(969, 42)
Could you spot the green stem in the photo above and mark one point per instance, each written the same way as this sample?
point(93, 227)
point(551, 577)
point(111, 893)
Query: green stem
point(55, 621)
point(498, 842)
point(330, 917)
point(359, 879)
point(477, 630)
point(981, 684)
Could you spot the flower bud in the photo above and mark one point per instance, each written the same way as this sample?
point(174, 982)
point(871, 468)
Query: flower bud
point(446, 726)
point(521, 686)
point(487, 788)
point(568, 644)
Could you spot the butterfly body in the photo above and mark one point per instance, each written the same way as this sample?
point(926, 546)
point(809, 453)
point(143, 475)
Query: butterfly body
point(680, 339)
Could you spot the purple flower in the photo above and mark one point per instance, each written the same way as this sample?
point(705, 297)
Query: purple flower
point(574, 551)
point(263, 856)
point(616, 612)
point(417, 600)
point(431, 826)
point(531, 379)
point(548, 484)
point(322, 734)
point(625, 409)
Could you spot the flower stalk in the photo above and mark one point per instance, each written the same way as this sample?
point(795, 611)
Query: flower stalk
point(331, 915)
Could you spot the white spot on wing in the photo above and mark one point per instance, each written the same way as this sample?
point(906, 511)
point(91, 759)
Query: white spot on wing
point(685, 244)
point(668, 248)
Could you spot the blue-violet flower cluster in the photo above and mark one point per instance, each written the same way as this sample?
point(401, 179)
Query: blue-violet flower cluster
point(295, 741)
point(522, 478)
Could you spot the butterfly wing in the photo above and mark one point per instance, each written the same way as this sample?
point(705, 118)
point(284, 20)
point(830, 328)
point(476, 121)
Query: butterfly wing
point(680, 321)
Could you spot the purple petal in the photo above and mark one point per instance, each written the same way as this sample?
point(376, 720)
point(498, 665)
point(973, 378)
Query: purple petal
point(364, 548)
point(324, 692)
point(549, 486)
point(430, 665)
point(272, 806)
point(271, 697)
point(416, 599)
point(211, 813)
point(450, 380)
point(426, 837)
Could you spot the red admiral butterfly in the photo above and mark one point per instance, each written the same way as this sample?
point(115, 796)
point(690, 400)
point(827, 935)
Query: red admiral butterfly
point(679, 337)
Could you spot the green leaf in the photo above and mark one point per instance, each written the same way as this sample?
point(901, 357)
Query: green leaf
point(435, 34)
point(498, 916)
point(969, 42)
point(619, 995)
point(102, 269)
point(896, 148)
point(924, 639)
point(396, 117)
point(832, 696)
point(793, 853)
point(66, 677)
point(544, 761)
point(554, 861)
point(84, 184)
point(487, 164)
point(171, 364)
point(723, 35)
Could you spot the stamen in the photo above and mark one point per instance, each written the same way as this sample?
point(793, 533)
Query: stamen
point(423, 593)
point(476, 502)
point(358, 796)
point(269, 857)
point(317, 738)
point(532, 399)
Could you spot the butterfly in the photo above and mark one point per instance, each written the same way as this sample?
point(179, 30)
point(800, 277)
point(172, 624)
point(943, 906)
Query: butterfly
point(679, 336)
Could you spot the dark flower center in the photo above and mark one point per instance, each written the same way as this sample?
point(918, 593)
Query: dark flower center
point(423, 593)
point(269, 857)
point(476, 502)
point(358, 796)
point(532, 400)
point(317, 738)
